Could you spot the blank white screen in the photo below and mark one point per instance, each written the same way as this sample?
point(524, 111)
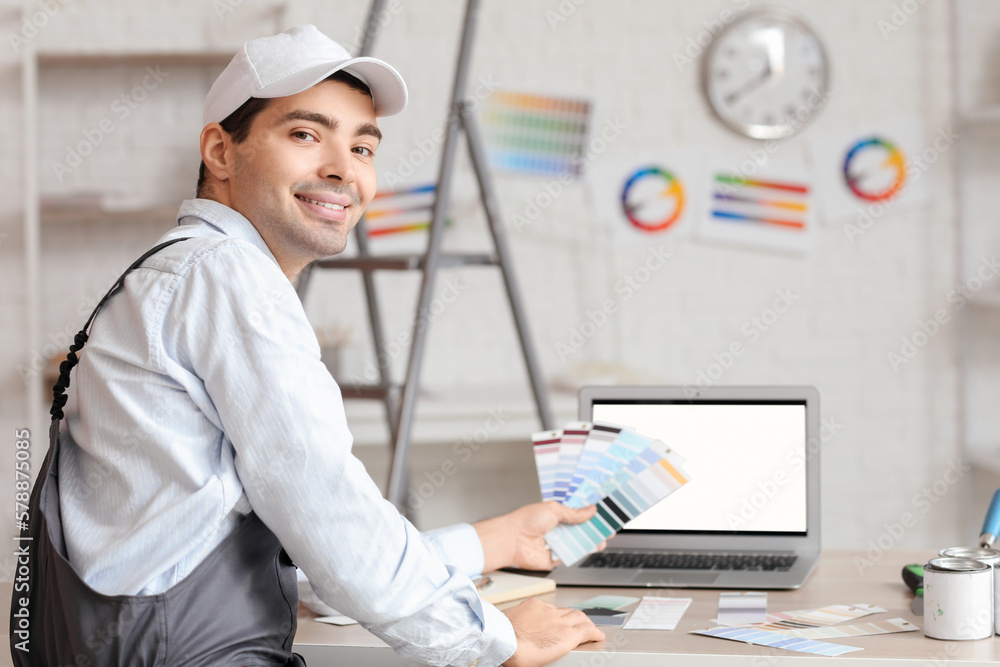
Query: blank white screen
point(746, 461)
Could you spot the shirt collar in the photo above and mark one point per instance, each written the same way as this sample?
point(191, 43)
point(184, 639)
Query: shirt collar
point(228, 221)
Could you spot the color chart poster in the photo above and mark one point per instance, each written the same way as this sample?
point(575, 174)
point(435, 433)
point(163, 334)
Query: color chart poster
point(645, 200)
point(885, 167)
point(398, 218)
point(772, 208)
point(537, 134)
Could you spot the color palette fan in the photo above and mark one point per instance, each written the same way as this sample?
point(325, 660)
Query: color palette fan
point(536, 134)
point(620, 471)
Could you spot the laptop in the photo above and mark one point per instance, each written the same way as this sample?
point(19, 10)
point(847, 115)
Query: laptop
point(749, 517)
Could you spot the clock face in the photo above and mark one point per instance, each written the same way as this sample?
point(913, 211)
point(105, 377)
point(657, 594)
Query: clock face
point(766, 74)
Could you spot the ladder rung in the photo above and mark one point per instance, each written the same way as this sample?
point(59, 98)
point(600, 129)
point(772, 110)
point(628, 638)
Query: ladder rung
point(368, 391)
point(406, 262)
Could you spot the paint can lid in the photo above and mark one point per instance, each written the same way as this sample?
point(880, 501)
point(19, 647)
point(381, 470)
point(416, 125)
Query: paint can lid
point(975, 553)
point(955, 565)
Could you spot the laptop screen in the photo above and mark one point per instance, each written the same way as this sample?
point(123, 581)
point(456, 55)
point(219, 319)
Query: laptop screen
point(746, 458)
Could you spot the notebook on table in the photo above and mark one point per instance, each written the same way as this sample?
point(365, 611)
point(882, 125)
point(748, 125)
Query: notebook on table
point(749, 517)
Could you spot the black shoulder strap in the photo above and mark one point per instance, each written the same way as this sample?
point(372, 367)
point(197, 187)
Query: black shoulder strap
point(59, 390)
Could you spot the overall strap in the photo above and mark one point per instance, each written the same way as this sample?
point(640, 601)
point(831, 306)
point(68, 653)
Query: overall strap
point(59, 389)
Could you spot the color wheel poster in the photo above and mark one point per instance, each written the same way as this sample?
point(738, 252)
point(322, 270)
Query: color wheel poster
point(770, 206)
point(884, 167)
point(647, 199)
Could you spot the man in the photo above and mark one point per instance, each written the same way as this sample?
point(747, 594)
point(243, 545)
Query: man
point(204, 438)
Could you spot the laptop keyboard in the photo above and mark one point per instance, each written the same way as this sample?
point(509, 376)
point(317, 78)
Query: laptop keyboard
point(691, 561)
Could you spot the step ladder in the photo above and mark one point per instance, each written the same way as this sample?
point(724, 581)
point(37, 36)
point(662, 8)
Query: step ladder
point(400, 400)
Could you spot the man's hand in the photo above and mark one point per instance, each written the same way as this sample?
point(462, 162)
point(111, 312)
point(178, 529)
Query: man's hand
point(546, 633)
point(518, 539)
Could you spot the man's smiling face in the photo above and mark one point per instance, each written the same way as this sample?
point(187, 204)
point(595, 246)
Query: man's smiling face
point(306, 172)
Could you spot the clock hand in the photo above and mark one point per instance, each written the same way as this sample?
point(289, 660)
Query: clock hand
point(750, 86)
point(774, 67)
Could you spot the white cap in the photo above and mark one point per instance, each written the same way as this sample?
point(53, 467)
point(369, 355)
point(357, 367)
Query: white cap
point(293, 61)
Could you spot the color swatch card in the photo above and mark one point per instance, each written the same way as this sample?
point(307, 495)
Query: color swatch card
point(817, 618)
point(860, 630)
point(742, 608)
point(655, 613)
point(654, 481)
point(599, 440)
point(754, 635)
point(574, 435)
point(546, 447)
point(615, 602)
point(603, 478)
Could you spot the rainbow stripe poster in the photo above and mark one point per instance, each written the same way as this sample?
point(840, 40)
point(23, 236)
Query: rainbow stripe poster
point(535, 133)
point(399, 211)
point(620, 471)
point(863, 173)
point(767, 206)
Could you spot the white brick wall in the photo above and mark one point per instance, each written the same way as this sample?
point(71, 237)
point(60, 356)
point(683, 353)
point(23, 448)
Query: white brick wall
point(899, 429)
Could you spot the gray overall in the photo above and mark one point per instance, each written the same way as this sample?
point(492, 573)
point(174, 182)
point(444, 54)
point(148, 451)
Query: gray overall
point(238, 606)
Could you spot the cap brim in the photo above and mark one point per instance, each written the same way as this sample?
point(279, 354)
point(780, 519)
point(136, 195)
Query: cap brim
point(388, 90)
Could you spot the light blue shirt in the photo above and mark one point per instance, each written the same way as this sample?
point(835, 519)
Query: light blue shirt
point(201, 397)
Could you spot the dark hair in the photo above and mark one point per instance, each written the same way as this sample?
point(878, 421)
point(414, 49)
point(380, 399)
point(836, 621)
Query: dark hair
point(237, 124)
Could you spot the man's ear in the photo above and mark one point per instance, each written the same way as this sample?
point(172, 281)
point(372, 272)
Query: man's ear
point(215, 153)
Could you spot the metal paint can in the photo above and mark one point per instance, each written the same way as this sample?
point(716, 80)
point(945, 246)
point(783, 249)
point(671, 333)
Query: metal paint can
point(982, 554)
point(958, 599)
point(996, 598)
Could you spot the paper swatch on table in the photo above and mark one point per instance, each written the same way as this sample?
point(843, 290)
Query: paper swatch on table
point(338, 619)
point(599, 439)
point(742, 608)
point(754, 635)
point(657, 480)
point(574, 435)
point(546, 448)
point(820, 617)
point(614, 602)
point(604, 477)
point(860, 630)
point(655, 613)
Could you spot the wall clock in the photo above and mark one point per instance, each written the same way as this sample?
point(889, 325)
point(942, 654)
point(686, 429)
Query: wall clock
point(766, 74)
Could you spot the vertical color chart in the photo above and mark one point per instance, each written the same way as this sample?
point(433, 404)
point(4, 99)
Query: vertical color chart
point(536, 134)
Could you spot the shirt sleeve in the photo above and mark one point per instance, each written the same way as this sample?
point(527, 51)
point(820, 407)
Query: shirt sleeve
point(458, 545)
point(280, 410)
